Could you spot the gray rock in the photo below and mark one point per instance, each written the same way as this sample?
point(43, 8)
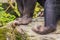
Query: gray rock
point(34, 36)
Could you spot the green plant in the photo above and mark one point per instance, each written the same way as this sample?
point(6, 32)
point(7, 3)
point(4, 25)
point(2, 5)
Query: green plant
point(5, 17)
point(38, 8)
point(3, 34)
point(10, 34)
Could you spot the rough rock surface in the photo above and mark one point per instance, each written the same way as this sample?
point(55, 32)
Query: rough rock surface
point(34, 36)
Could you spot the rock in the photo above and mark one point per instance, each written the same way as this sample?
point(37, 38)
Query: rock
point(34, 36)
